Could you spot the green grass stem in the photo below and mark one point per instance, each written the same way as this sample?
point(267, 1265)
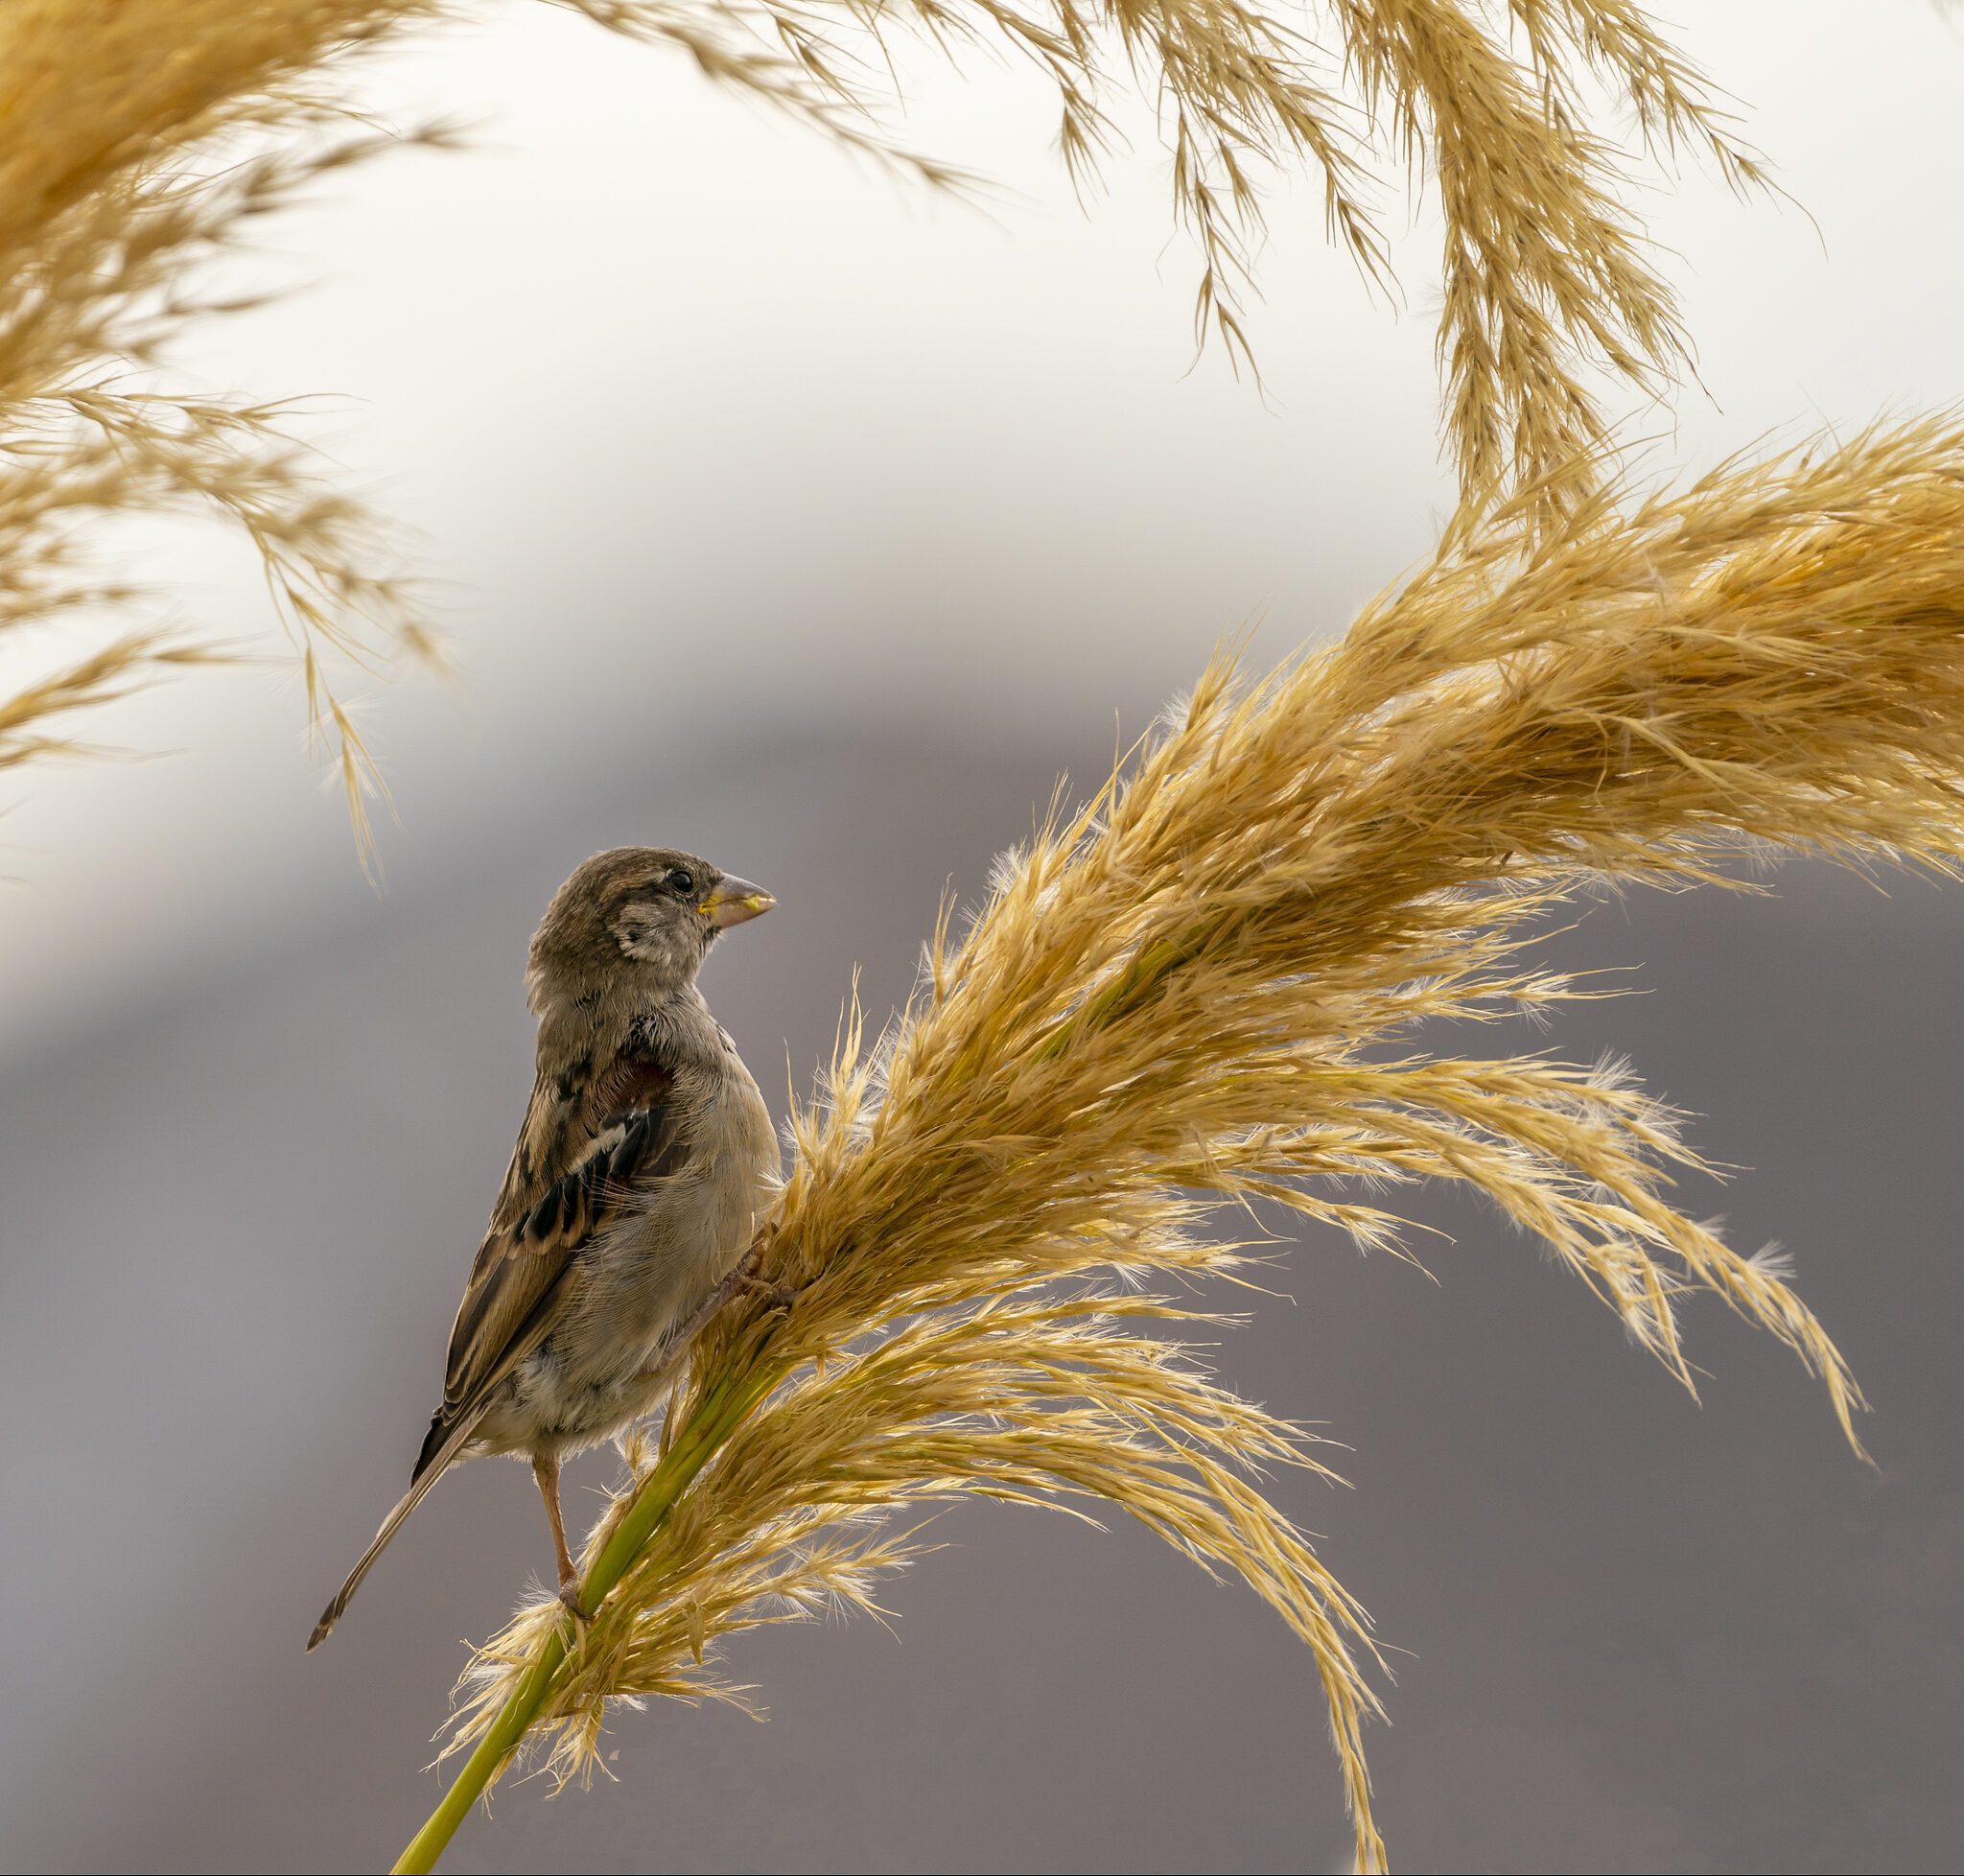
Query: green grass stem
point(724, 1409)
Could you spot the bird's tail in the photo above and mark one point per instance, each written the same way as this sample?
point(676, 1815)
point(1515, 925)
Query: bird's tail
point(431, 1468)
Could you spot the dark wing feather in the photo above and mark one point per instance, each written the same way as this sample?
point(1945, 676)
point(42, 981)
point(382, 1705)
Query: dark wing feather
point(584, 1153)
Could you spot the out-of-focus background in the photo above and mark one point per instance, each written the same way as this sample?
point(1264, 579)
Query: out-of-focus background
point(800, 520)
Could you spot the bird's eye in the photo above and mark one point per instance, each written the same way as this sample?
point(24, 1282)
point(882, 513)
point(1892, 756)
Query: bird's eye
point(681, 880)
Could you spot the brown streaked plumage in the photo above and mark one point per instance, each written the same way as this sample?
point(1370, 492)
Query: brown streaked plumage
point(644, 1167)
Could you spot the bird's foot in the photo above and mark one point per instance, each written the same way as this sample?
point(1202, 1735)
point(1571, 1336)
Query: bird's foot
point(779, 1296)
point(569, 1594)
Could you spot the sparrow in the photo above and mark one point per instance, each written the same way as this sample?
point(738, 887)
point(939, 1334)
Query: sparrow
point(645, 1165)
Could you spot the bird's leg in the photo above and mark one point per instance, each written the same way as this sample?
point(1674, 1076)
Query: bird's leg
point(546, 1469)
point(675, 1345)
point(744, 1276)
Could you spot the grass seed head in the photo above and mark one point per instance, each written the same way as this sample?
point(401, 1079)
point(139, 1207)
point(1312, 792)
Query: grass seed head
point(1217, 982)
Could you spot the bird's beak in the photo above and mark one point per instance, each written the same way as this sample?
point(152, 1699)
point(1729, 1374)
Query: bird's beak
point(734, 900)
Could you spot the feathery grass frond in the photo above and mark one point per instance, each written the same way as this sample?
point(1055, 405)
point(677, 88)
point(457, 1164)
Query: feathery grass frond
point(133, 149)
point(114, 671)
point(1215, 982)
point(1548, 280)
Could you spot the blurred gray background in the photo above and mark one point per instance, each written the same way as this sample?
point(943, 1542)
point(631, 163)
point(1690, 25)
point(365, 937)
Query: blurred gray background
point(799, 521)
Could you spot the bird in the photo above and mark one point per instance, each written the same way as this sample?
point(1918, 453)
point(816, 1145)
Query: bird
point(643, 1173)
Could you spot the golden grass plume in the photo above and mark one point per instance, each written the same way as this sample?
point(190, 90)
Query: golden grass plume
point(1548, 282)
point(137, 143)
point(1213, 983)
point(137, 140)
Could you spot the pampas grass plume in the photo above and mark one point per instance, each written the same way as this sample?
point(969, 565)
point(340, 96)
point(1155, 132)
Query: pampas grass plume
point(1215, 982)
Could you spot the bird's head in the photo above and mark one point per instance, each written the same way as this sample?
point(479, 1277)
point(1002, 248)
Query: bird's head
point(639, 916)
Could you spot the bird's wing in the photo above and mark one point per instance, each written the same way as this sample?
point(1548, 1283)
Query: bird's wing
point(583, 1156)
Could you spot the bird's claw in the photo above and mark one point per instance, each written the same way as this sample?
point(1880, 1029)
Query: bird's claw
point(569, 1594)
point(779, 1296)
